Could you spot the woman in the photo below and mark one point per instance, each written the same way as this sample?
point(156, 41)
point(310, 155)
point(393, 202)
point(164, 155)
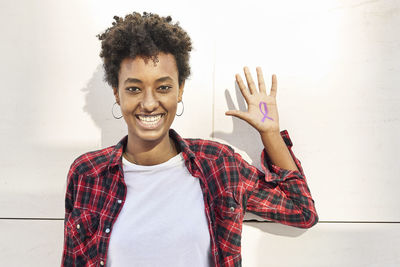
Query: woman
point(156, 199)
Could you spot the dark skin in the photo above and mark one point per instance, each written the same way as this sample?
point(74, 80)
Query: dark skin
point(148, 95)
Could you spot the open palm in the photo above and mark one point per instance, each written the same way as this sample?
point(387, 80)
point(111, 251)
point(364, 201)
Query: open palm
point(262, 111)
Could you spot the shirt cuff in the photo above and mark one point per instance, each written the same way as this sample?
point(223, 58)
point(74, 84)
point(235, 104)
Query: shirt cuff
point(274, 173)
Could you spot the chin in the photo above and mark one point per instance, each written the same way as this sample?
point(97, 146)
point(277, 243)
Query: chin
point(150, 135)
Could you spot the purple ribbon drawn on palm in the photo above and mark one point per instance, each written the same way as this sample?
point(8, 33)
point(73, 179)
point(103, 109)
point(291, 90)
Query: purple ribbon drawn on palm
point(265, 111)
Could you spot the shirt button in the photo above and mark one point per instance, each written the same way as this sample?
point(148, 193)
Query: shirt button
point(101, 263)
point(232, 208)
point(78, 226)
point(119, 201)
point(107, 230)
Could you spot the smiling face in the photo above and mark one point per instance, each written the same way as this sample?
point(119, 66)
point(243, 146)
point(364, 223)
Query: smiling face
point(148, 95)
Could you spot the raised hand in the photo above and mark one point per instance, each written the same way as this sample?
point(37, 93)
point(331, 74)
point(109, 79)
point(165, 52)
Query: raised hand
point(262, 111)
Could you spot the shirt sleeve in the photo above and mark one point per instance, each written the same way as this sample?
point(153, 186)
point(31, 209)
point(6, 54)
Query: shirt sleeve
point(67, 259)
point(278, 194)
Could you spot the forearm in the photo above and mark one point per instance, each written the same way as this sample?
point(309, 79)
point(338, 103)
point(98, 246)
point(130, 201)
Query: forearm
point(277, 150)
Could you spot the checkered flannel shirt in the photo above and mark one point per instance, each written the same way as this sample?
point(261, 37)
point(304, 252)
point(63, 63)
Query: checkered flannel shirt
point(96, 193)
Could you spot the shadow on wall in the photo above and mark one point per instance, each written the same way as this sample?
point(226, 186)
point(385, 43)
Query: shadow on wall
point(99, 100)
point(276, 228)
point(243, 136)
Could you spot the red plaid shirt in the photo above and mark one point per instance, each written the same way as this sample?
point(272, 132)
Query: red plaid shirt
point(96, 193)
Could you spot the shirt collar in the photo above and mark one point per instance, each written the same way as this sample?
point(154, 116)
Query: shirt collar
point(116, 153)
point(183, 145)
point(118, 150)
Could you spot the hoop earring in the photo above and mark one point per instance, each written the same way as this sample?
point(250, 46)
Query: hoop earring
point(112, 111)
point(183, 109)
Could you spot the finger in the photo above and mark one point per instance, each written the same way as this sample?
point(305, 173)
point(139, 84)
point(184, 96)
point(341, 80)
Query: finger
point(249, 79)
point(240, 100)
point(238, 114)
point(242, 87)
point(274, 85)
point(260, 78)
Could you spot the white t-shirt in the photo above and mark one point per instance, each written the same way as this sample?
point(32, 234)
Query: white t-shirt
point(163, 221)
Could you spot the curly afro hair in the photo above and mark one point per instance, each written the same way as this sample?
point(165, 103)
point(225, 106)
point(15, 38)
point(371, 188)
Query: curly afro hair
point(143, 35)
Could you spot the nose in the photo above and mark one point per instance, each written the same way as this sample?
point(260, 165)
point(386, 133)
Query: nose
point(149, 102)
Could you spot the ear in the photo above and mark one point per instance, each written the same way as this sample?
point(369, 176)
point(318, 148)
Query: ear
point(180, 93)
point(116, 94)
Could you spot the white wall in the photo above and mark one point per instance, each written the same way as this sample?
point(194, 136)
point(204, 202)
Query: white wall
point(337, 64)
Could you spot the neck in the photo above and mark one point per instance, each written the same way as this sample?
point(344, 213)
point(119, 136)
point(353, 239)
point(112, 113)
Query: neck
point(150, 152)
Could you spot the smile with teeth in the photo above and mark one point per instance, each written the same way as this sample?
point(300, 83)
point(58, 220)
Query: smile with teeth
point(150, 119)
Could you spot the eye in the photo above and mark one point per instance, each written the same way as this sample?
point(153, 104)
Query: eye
point(164, 88)
point(133, 89)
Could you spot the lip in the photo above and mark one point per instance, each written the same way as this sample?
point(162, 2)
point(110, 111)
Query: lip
point(150, 124)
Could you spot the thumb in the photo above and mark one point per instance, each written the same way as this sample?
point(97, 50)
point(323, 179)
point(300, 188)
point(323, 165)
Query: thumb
point(238, 114)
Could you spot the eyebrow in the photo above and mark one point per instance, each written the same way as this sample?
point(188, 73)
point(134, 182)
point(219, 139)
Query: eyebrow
point(162, 79)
